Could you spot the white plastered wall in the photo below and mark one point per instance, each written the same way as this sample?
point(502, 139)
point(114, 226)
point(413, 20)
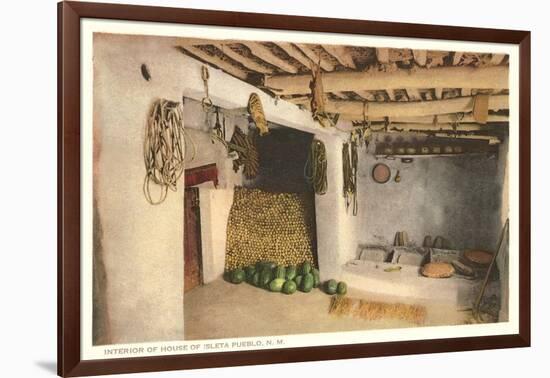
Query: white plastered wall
point(143, 244)
point(336, 226)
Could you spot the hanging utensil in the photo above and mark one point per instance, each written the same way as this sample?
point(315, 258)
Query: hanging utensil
point(381, 173)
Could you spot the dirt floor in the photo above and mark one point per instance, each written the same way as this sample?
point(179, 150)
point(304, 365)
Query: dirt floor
point(223, 310)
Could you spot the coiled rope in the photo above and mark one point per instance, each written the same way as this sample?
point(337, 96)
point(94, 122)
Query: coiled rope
point(315, 170)
point(164, 148)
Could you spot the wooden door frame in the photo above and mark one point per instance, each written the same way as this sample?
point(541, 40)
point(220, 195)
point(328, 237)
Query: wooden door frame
point(199, 232)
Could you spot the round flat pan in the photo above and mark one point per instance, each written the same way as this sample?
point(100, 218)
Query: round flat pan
point(381, 173)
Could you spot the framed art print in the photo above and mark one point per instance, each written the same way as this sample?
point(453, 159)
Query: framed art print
point(239, 188)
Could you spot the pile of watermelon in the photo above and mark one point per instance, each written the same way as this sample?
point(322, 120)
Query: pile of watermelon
point(277, 278)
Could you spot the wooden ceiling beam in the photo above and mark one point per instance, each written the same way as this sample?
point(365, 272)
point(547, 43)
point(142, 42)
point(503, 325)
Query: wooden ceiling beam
point(369, 96)
point(216, 61)
point(441, 119)
point(489, 138)
point(444, 77)
point(457, 56)
point(413, 94)
point(316, 58)
point(245, 61)
point(383, 55)
point(295, 53)
point(267, 55)
point(420, 57)
point(428, 127)
point(497, 59)
point(341, 54)
point(409, 109)
point(340, 95)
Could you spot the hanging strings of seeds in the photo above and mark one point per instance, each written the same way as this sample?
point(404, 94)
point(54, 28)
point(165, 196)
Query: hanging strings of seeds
point(349, 162)
point(164, 149)
point(315, 170)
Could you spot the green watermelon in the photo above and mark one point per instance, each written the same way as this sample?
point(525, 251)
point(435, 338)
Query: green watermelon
point(331, 287)
point(277, 284)
point(316, 277)
point(238, 276)
point(280, 272)
point(291, 272)
point(289, 287)
point(298, 280)
point(250, 270)
point(227, 275)
point(260, 265)
point(307, 283)
point(265, 277)
point(306, 268)
point(256, 279)
point(342, 288)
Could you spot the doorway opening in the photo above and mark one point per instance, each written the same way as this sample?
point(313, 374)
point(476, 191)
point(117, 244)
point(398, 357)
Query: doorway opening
point(273, 215)
point(193, 275)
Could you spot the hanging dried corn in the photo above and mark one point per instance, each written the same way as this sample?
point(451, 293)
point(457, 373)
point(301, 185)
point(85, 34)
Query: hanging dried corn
point(256, 111)
point(315, 170)
point(349, 166)
point(318, 98)
point(245, 146)
point(164, 148)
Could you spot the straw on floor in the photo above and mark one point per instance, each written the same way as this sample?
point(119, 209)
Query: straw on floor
point(370, 310)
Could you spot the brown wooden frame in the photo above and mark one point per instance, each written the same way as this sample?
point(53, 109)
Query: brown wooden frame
point(69, 15)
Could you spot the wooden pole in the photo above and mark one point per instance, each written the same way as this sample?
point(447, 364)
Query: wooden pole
point(317, 59)
point(420, 57)
point(295, 53)
point(383, 55)
point(486, 280)
point(353, 110)
point(245, 61)
point(266, 55)
point(493, 77)
point(441, 119)
point(216, 61)
point(433, 127)
point(341, 54)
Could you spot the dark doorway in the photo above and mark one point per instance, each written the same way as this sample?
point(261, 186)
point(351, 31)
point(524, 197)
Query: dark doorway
point(192, 240)
point(283, 156)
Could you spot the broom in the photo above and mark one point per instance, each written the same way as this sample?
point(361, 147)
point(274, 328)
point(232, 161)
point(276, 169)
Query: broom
point(370, 310)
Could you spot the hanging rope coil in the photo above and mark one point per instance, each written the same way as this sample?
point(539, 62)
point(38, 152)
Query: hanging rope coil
point(349, 162)
point(315, 170)
point(164, 148)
